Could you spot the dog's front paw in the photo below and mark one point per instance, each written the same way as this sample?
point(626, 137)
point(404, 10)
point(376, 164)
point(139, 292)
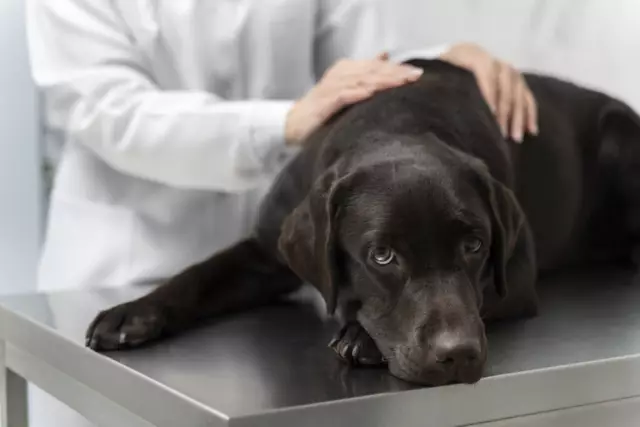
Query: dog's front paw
point(354, 346)
point(125, 326)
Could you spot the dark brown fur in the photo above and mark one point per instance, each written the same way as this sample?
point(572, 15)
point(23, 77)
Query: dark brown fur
point(422, 170)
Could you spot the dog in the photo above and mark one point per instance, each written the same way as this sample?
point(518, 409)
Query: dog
point(418, 223)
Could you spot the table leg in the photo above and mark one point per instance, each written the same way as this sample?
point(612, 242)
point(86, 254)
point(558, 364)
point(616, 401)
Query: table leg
point(13, 395)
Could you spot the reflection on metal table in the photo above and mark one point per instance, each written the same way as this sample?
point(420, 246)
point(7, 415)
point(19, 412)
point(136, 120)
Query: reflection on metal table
point(271, 367)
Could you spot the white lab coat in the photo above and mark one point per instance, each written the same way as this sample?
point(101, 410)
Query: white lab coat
point(171, 114)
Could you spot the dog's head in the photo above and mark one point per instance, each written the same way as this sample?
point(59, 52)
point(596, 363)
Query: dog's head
point(415, 237)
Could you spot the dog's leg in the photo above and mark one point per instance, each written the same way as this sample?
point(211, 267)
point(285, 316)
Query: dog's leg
point(352, 343)
point(241, 277)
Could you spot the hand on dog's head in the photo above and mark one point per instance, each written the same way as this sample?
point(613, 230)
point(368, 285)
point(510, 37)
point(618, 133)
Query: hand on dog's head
point(418, 237)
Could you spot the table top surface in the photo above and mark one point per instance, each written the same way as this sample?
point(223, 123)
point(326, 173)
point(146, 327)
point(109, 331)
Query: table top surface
point(277, 357)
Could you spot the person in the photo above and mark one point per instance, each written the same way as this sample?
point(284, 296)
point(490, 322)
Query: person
point(174, 118)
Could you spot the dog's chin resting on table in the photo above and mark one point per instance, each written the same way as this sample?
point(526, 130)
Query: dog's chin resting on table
point(418, 223)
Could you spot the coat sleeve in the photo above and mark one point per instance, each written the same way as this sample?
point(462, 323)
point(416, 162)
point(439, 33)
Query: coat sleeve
point(359, 29)
point(99, 92)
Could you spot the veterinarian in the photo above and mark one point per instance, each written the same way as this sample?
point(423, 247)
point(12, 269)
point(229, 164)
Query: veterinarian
point(175, 116)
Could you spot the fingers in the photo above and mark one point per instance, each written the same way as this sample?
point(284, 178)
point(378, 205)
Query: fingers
point(518, 109)
point(488, 83)
point(384, 56)
point(386, 79)
point(503, 88)
point(330, 105)
point(386, 76)
point(532, 112)
point(346, 83)
point(379, 78)
point(392, 75)
point(486, 69)
point(505, 97)
point(349, 96)
point(525, 114)
point(359, 80)
point(351, 72)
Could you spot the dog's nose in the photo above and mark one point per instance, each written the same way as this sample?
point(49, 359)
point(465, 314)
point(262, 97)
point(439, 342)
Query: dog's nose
point(451, 349)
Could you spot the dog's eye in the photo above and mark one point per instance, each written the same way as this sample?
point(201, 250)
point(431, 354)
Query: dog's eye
point(382, 255)
point(472, 245)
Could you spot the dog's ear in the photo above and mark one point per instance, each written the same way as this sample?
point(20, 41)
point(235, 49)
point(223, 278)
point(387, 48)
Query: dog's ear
point(308, 236)
point(511, 265)
point(511, 240)
point(508, 225)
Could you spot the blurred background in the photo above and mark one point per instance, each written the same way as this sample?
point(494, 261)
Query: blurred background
point(591, 42)
point(22, 204)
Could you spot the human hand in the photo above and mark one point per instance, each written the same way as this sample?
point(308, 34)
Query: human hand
point(503, 87)
point(345, 83)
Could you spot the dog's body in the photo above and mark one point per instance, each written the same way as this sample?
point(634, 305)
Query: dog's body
point(424, 170)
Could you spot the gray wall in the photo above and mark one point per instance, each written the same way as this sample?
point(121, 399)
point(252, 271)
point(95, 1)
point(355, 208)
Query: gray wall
point(20, 188)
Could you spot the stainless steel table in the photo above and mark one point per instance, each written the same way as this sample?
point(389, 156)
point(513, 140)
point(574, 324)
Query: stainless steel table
point(579, 359)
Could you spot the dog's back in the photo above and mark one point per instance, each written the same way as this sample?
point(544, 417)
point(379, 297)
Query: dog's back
point(557, 175)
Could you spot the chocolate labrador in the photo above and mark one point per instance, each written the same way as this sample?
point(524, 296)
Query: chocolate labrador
point(418, 222)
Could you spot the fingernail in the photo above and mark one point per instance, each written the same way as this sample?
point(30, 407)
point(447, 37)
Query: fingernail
point(517, 137)
point(415, 71)
point(534, 131)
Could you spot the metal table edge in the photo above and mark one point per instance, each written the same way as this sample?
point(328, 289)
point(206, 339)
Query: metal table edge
point(189, 407)
point(493, 398)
